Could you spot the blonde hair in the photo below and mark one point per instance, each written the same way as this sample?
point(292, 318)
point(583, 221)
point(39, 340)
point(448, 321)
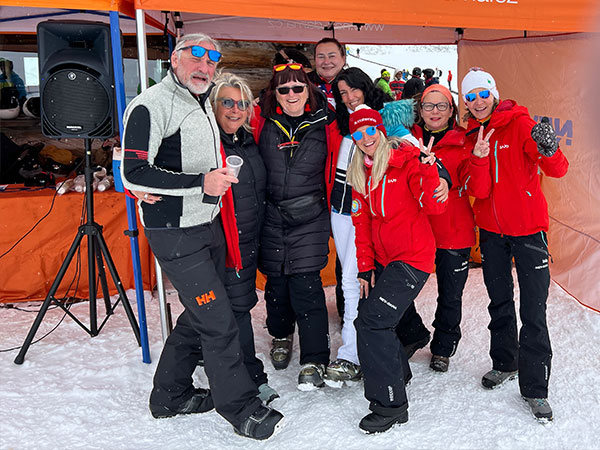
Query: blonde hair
point(357, 173)
point(228, 79)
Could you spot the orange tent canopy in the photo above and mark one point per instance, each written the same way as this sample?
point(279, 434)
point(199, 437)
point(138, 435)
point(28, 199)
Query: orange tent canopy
point(124, 6)
point(531, 15)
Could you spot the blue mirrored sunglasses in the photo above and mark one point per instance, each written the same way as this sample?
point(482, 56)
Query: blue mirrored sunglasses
point(199, 52)
point(358, 135)
point(472, 96)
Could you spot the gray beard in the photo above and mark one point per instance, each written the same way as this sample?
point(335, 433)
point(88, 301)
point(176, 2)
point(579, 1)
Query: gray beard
point(190, 87)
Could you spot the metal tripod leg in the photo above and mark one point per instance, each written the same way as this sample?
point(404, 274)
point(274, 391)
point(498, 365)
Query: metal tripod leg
point(50, 297)
point(123, 297)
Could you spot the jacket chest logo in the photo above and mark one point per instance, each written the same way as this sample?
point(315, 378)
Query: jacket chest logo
point(503, 146)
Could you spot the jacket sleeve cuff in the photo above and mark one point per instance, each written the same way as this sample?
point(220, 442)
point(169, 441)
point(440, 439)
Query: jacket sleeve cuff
point(477, 161)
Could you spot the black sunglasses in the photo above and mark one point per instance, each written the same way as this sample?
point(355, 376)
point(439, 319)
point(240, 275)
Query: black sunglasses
point(228, 103)
point(298, 89)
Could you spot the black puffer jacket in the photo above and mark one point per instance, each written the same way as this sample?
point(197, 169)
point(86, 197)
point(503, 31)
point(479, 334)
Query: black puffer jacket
point(295, 171)
point(249, 201)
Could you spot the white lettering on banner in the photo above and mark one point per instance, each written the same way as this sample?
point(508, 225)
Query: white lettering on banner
point(508, 2)
point(316, 25)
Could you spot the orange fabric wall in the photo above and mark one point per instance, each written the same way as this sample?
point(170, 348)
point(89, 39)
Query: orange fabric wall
point(27, 272)
point(551, 78)
point(574, 15)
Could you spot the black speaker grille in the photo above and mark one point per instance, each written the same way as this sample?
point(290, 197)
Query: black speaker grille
point(75, 103)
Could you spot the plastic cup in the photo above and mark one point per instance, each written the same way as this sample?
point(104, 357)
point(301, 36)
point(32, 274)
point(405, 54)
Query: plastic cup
point(234, 164)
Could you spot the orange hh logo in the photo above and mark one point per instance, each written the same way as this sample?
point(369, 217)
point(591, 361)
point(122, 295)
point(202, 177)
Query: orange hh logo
point(206, 298)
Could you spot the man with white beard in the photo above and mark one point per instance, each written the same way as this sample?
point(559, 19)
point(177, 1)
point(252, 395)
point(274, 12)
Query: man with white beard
point(172, 149)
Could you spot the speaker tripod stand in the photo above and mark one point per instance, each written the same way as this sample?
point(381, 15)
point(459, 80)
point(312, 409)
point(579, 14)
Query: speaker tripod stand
point(98, 256)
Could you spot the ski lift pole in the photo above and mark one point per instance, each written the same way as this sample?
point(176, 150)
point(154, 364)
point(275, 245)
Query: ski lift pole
point(132, 232)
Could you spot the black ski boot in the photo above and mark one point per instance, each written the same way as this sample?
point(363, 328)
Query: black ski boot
point(377, 423)
point(261, 425)
point(200, 402)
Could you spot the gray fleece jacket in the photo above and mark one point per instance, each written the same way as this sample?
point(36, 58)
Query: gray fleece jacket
point(171, 140)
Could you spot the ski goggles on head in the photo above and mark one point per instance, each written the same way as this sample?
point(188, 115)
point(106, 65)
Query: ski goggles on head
point(229, 103)
point(370, 131)
point(298, 89)
point(472, 96)
point(293, 66)
point(199, 52)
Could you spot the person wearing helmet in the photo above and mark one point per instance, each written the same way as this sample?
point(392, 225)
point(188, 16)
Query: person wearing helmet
point(415, 85)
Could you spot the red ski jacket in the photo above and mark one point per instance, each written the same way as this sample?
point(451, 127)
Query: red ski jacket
point(391, 220)
point(455, 228)
point(230, 229)
point(509, 199)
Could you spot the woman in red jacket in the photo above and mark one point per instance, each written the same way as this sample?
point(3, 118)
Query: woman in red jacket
point(454, 230)
point(512, 215)
point(393, 192)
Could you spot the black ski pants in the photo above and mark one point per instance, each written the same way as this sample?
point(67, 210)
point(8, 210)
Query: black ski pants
point(194, 260)
point(241, 290)
point(451, 269)
point(530, 352)
point(299, 298)
point(380, 351)
point(410, 329)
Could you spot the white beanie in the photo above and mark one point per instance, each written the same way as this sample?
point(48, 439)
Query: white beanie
point(477, 78)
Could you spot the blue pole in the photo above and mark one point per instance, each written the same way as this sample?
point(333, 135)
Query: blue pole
point(115, 33)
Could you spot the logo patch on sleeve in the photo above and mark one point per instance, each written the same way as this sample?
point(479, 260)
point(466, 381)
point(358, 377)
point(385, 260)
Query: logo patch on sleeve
point(356, 206)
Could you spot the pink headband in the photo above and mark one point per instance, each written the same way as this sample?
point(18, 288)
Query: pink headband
point(441, 89)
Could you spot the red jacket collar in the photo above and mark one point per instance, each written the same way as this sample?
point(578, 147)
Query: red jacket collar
point(453, 137)
point(404, 152)
point(506, 111)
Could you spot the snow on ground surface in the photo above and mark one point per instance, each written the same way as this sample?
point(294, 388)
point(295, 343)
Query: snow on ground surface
point(77, 392)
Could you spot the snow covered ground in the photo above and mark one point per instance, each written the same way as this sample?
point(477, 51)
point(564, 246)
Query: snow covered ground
point(77, 392)
point(373, 58)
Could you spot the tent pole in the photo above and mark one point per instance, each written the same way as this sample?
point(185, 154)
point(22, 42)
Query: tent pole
point(115, 32)
point(143, 69)
point(141, 46)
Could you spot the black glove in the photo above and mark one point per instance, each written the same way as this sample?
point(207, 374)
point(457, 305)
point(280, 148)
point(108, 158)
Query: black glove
point(545, 137)
point(366, 275)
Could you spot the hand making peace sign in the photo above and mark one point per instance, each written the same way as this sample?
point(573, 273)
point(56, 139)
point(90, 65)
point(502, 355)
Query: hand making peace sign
point(482, 146)
point(427, 157)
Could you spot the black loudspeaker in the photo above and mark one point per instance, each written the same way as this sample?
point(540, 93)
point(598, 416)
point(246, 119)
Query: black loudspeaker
point(77, 91)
